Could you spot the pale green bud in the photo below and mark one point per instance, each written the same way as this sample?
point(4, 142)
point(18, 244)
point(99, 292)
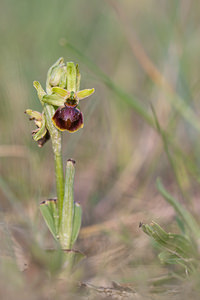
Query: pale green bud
point(57, 75)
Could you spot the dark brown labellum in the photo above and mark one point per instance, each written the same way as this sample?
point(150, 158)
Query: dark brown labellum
point(68, 118)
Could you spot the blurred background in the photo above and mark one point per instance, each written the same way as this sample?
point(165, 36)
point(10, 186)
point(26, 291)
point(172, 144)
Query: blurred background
point(142, 58)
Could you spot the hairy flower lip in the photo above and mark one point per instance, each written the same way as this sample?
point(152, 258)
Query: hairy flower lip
point(68, 118)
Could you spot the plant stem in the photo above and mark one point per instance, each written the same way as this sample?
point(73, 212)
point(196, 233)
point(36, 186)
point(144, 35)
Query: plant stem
point(59, 181)
point(56, 146)
point(66, 225)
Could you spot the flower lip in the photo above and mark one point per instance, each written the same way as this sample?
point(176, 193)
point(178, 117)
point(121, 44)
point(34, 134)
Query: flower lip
point(68, 118)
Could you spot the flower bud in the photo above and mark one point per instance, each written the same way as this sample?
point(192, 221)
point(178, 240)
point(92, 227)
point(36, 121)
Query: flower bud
point(56, 76)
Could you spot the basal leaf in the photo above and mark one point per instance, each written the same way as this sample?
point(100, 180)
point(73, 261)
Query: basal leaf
point(48, 209)
point(76, 221)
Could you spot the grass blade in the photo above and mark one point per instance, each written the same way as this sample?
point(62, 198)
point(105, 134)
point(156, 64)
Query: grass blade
point(188, 219)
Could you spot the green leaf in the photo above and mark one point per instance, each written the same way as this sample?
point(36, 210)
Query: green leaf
point(48, 209)
point(51, 259)
point(176, 243)
point(61, 92)
point(187, 218)
point(181, 224)
point(177, 248)
point(84, 93)
point(53, 99)
point(76, 222)
point(168, 258)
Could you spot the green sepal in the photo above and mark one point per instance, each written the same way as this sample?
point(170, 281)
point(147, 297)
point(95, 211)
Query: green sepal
point(63, 78)
point(78, 78)
point(39, 90)
point(61, 92)
point(71, 77)
point(84, 93)
point(54, 100)
point(40, 132)
point(76, 222)
point(49, 212)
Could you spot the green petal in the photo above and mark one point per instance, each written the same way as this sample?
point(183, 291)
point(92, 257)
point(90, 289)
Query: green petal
point(84, 93)
point(61, 92)
point(71, 77)
point(53, 99)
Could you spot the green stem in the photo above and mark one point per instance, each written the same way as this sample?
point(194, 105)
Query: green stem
point(56, 146)
point(66, 225)
point(55, 139)
point(59, 181)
